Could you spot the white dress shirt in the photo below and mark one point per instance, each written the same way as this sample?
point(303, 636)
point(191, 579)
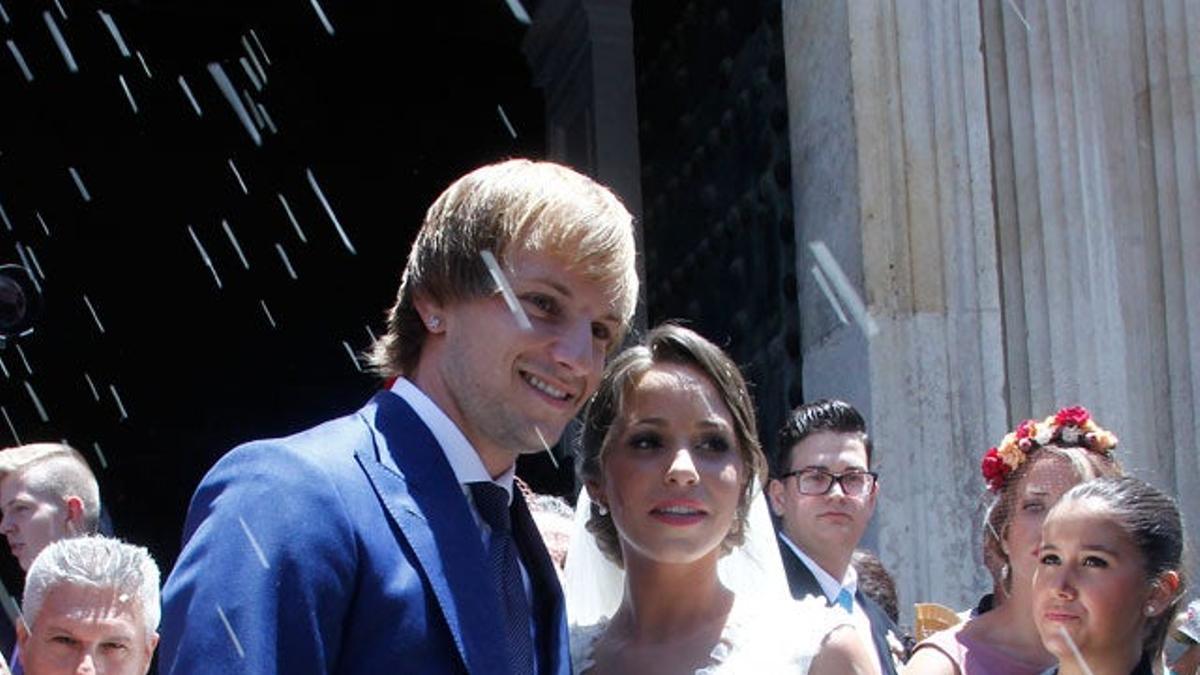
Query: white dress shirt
point(831, 587)
point(464, 460)
point(467, 467)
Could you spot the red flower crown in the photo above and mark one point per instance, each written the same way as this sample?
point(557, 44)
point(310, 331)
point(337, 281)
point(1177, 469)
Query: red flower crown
point(1071, 427)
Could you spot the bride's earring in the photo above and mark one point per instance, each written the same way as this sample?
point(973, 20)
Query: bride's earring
point(601, 509)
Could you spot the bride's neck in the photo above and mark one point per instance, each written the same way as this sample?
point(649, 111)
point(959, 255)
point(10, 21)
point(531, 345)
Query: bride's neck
point(669, 600)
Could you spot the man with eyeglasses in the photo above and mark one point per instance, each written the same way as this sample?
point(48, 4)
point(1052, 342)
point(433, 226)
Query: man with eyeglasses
point(823, 494)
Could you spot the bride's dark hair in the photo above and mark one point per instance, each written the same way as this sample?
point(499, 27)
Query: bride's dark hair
point(672, 344)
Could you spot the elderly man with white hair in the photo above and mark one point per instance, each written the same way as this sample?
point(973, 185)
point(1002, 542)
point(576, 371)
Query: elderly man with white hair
point(91, 606)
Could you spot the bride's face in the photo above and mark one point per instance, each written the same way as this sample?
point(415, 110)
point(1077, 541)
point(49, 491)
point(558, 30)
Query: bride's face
point(672, 473)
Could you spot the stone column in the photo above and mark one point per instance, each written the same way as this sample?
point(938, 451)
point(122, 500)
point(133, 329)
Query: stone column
point(891, 170)
point(1097, 155)
point(1012, 187)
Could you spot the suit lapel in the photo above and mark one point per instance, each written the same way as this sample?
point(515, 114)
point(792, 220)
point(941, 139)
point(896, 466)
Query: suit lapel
point(804, 583)
point(416, 485)
point(801, 580)
point(881, 623)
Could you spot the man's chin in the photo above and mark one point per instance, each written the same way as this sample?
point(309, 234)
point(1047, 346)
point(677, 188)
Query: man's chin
point(540, 441)
point(831, 537)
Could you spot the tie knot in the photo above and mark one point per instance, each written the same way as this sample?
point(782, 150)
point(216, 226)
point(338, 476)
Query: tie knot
point(845, 600)
point(491, 501)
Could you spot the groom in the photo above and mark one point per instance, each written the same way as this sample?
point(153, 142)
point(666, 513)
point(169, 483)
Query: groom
point(391, 540)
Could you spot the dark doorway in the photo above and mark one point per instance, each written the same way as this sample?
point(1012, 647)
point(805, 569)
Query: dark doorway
point(160, 371)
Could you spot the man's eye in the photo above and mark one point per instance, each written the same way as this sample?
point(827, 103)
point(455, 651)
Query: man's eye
point(64, 640)
point(541, 303)
point(1033, 507)
point(854, 479)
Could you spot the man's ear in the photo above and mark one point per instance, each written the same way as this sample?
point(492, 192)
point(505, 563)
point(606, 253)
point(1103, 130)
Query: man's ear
point(430, 311)
point(873, 497)
point(73, 506)
point(151, 644)
point(775, 494)
point(22, 632)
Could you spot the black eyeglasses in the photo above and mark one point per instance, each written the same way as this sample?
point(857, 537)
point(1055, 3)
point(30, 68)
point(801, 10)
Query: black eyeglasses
point(816, 482)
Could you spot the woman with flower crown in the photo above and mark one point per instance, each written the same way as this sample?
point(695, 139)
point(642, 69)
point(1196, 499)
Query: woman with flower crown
point(1032, 467)
point(673, 567)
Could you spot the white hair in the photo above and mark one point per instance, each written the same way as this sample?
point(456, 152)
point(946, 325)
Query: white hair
point(551, 506)
point(95, 562)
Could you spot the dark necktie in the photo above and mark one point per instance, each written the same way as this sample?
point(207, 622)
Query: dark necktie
point(491, 501)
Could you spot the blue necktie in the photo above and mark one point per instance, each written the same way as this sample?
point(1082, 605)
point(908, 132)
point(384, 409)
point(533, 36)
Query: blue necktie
point(491, 501)
point(845, 601)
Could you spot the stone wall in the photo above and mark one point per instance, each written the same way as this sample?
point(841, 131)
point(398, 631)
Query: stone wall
point(1012, 189)
point(1096, 136)
point(890, 131)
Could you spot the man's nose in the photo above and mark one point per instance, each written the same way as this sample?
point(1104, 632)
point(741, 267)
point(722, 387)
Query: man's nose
point(87, 666)
point(574, 348)
point(836, 484)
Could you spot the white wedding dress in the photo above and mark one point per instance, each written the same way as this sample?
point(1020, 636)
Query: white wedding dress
point(767, 631)
point(760, 639)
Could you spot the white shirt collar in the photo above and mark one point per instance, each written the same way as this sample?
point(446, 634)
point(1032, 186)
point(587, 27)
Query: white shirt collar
point(829, 586)
point(463, 459)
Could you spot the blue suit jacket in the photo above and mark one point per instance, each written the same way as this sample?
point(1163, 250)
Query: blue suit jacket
point(371, 561)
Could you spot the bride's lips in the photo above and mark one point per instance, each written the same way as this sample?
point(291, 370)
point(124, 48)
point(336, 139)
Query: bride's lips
point(679, 512)
point(1059, 616)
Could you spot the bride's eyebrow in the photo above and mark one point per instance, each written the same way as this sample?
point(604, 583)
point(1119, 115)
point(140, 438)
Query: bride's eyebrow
point(648, 422)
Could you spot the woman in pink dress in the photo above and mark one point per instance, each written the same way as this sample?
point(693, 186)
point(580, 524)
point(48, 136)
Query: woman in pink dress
point(1027, 473)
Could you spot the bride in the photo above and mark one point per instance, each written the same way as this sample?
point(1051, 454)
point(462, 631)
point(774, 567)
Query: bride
point(672, 471)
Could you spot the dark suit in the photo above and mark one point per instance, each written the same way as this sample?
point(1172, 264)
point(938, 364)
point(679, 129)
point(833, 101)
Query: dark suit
point(376, 564)
point(804, 583)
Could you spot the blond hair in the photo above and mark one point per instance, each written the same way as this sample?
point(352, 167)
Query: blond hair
point(56, 469)
point(516, 205)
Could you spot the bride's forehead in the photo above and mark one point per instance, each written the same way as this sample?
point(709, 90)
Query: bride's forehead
point(672, 378)
point(673, 388)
